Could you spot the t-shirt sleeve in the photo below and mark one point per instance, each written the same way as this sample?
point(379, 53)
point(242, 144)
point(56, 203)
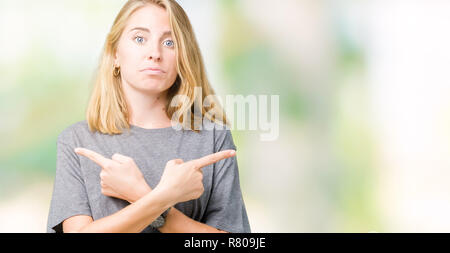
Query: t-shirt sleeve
point(69, 192)
point(226, 209)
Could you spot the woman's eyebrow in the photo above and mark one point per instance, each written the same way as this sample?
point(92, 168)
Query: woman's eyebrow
point(141, 29)
point(166, 33)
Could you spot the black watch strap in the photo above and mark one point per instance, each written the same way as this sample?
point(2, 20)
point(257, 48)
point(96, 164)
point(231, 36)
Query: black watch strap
point(160, 220)
point(164, 215)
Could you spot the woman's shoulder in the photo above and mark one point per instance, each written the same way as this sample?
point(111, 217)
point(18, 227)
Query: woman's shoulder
point(70, 133)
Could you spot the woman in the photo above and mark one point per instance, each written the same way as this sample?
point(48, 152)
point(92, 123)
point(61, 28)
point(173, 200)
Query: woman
point(139, 163)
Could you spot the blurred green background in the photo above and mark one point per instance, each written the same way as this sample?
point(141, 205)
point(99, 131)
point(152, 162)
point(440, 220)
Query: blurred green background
point(364, 142)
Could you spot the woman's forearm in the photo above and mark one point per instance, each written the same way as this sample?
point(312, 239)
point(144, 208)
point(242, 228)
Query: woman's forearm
point(177, 222)
point(134, 218)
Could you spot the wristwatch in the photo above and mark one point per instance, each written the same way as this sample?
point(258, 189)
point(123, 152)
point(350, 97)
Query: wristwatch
point(159, 222)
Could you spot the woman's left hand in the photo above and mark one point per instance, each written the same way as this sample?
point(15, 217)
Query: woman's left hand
point(120, 176)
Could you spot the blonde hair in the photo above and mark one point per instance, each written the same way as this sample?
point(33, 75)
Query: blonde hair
point(107, 110)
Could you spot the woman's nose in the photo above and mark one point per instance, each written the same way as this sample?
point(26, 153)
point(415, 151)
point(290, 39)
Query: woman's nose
point(154, 53)
point(155, 57)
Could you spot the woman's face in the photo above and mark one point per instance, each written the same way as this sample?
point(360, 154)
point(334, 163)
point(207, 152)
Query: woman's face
point(146, 52)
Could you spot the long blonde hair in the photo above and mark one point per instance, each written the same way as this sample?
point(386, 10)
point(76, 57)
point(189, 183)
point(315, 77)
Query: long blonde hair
point(107, 111)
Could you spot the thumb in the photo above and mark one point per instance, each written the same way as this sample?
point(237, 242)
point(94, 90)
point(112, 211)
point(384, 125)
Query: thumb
point(178, 161)
point(175, 162)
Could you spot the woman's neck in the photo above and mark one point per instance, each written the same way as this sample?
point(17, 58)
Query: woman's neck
point(147, 110)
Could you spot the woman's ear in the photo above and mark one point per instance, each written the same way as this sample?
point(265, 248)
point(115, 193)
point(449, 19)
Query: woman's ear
point(116, 59)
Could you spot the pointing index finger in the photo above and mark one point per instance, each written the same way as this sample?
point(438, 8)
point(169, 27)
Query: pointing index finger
point(213, 158)
point(96, 157)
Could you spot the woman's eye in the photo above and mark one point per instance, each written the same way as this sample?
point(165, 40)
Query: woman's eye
point(139, 39)
point(168, 43)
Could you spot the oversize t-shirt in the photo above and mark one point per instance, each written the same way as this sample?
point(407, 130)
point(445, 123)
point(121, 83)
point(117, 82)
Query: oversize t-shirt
point(77, 189)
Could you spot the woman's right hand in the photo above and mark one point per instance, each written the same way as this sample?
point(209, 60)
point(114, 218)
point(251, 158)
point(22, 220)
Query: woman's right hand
point(183, 181)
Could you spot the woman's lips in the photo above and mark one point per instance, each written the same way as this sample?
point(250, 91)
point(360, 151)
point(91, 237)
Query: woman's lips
point(153, 71)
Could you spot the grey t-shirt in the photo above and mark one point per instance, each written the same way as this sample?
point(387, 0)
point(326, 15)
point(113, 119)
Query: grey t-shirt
point(77, 189)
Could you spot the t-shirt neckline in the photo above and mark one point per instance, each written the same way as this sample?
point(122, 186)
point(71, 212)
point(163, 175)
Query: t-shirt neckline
point(149, 130)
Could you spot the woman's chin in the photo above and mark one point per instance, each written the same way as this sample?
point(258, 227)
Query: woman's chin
point(151, 88)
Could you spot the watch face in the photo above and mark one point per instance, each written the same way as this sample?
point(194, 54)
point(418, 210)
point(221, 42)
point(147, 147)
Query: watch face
point(159, 222)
